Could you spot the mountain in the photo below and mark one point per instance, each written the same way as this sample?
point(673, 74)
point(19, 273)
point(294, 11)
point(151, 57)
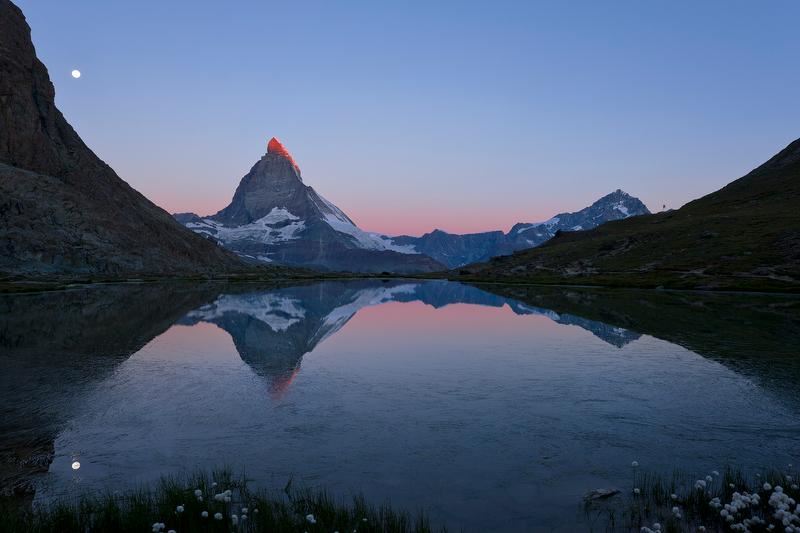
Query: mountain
point(62, 209)
point(275, 217)
point(743, 236)
point(457, 250)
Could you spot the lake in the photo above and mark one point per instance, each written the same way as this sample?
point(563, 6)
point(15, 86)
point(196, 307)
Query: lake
point(491, 408)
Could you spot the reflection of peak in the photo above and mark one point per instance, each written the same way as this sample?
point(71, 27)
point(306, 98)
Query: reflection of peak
point(276, 311)
point(615, 336)
point(272, 330)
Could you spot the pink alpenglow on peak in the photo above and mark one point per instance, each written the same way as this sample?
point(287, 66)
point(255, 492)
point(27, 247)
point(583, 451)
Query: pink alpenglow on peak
point(274, 146)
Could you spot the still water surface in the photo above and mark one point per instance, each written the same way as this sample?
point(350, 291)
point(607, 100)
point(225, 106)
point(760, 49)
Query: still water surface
point(489, 410)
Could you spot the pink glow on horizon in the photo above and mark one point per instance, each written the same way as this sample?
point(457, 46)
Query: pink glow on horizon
point(393, 219)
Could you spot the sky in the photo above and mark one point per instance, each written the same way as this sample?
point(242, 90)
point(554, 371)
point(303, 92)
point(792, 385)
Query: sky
point(463, 116)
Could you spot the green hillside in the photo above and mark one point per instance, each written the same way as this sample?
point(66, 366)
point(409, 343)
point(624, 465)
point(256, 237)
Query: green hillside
point(745, 236)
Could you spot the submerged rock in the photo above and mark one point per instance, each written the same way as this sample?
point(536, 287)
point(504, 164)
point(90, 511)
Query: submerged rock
point(600, 494)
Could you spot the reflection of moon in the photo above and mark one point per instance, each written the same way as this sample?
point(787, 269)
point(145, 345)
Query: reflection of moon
point(76, 465)
point(76, 74)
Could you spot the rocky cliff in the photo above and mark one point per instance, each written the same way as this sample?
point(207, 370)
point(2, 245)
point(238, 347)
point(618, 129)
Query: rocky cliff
point(62, 209)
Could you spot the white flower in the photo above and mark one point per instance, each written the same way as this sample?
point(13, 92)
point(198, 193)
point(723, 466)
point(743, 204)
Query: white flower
point(217, 516)
point(657, 526)
point(214, 484)
point(731, 485)
point(310, 518)
point(363, 519)
point(634, 464)
point(198, 493)
point(228, 492)
point(635, 491)
point(700, 484)
point(234, 519)
point(709, 479)
point(673, 496)
point(715, 473)
point(179, 509)
point(204, 514)
point(767, 486)
point(244, 510)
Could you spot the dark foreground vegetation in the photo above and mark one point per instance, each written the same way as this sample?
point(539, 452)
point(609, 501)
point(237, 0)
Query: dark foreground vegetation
point(726, 501)
point(204, 502)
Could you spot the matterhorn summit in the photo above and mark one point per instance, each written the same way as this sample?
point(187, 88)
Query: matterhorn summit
point(275, 218)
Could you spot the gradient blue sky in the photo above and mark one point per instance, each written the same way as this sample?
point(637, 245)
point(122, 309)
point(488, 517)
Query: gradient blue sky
point(464, 116)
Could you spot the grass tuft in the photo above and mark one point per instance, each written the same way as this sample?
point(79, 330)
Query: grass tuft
point(173, 502)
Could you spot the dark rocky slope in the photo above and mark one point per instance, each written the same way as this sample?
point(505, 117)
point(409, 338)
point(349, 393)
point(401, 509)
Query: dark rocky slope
point(62, 209)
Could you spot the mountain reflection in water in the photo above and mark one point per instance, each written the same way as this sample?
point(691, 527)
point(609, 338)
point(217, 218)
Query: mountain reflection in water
point(427, 391)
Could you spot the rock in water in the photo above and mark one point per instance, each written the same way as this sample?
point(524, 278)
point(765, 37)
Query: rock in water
point(601, 494)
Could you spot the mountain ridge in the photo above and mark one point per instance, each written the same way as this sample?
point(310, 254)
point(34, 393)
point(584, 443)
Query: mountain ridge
point(744, 236)
point(456, 250)
point(274, 217)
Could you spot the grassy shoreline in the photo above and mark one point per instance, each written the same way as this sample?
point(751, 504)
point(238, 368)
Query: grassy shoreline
point(715, 502)
point(206, 502)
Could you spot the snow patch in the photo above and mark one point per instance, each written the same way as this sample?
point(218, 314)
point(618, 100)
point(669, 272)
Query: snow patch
point(279, 225)
point(366, 239)
point(622, 209)
point(277, 312)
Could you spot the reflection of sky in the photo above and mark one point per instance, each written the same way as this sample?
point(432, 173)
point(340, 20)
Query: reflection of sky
point(482, 416)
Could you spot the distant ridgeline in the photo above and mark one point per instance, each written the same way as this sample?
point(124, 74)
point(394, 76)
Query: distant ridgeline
point(743, 236)
point(275, 217)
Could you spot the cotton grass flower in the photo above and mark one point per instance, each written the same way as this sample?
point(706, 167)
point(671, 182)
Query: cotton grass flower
point(179, 509)
point(234, 519)
point(310, 519)
point(635, 464)
point(766, 486)
point(217, 516)
point(204, 514)
point(635, 491)
point(198, 493)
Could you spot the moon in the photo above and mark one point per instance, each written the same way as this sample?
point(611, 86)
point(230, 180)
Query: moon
point(76, 74)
